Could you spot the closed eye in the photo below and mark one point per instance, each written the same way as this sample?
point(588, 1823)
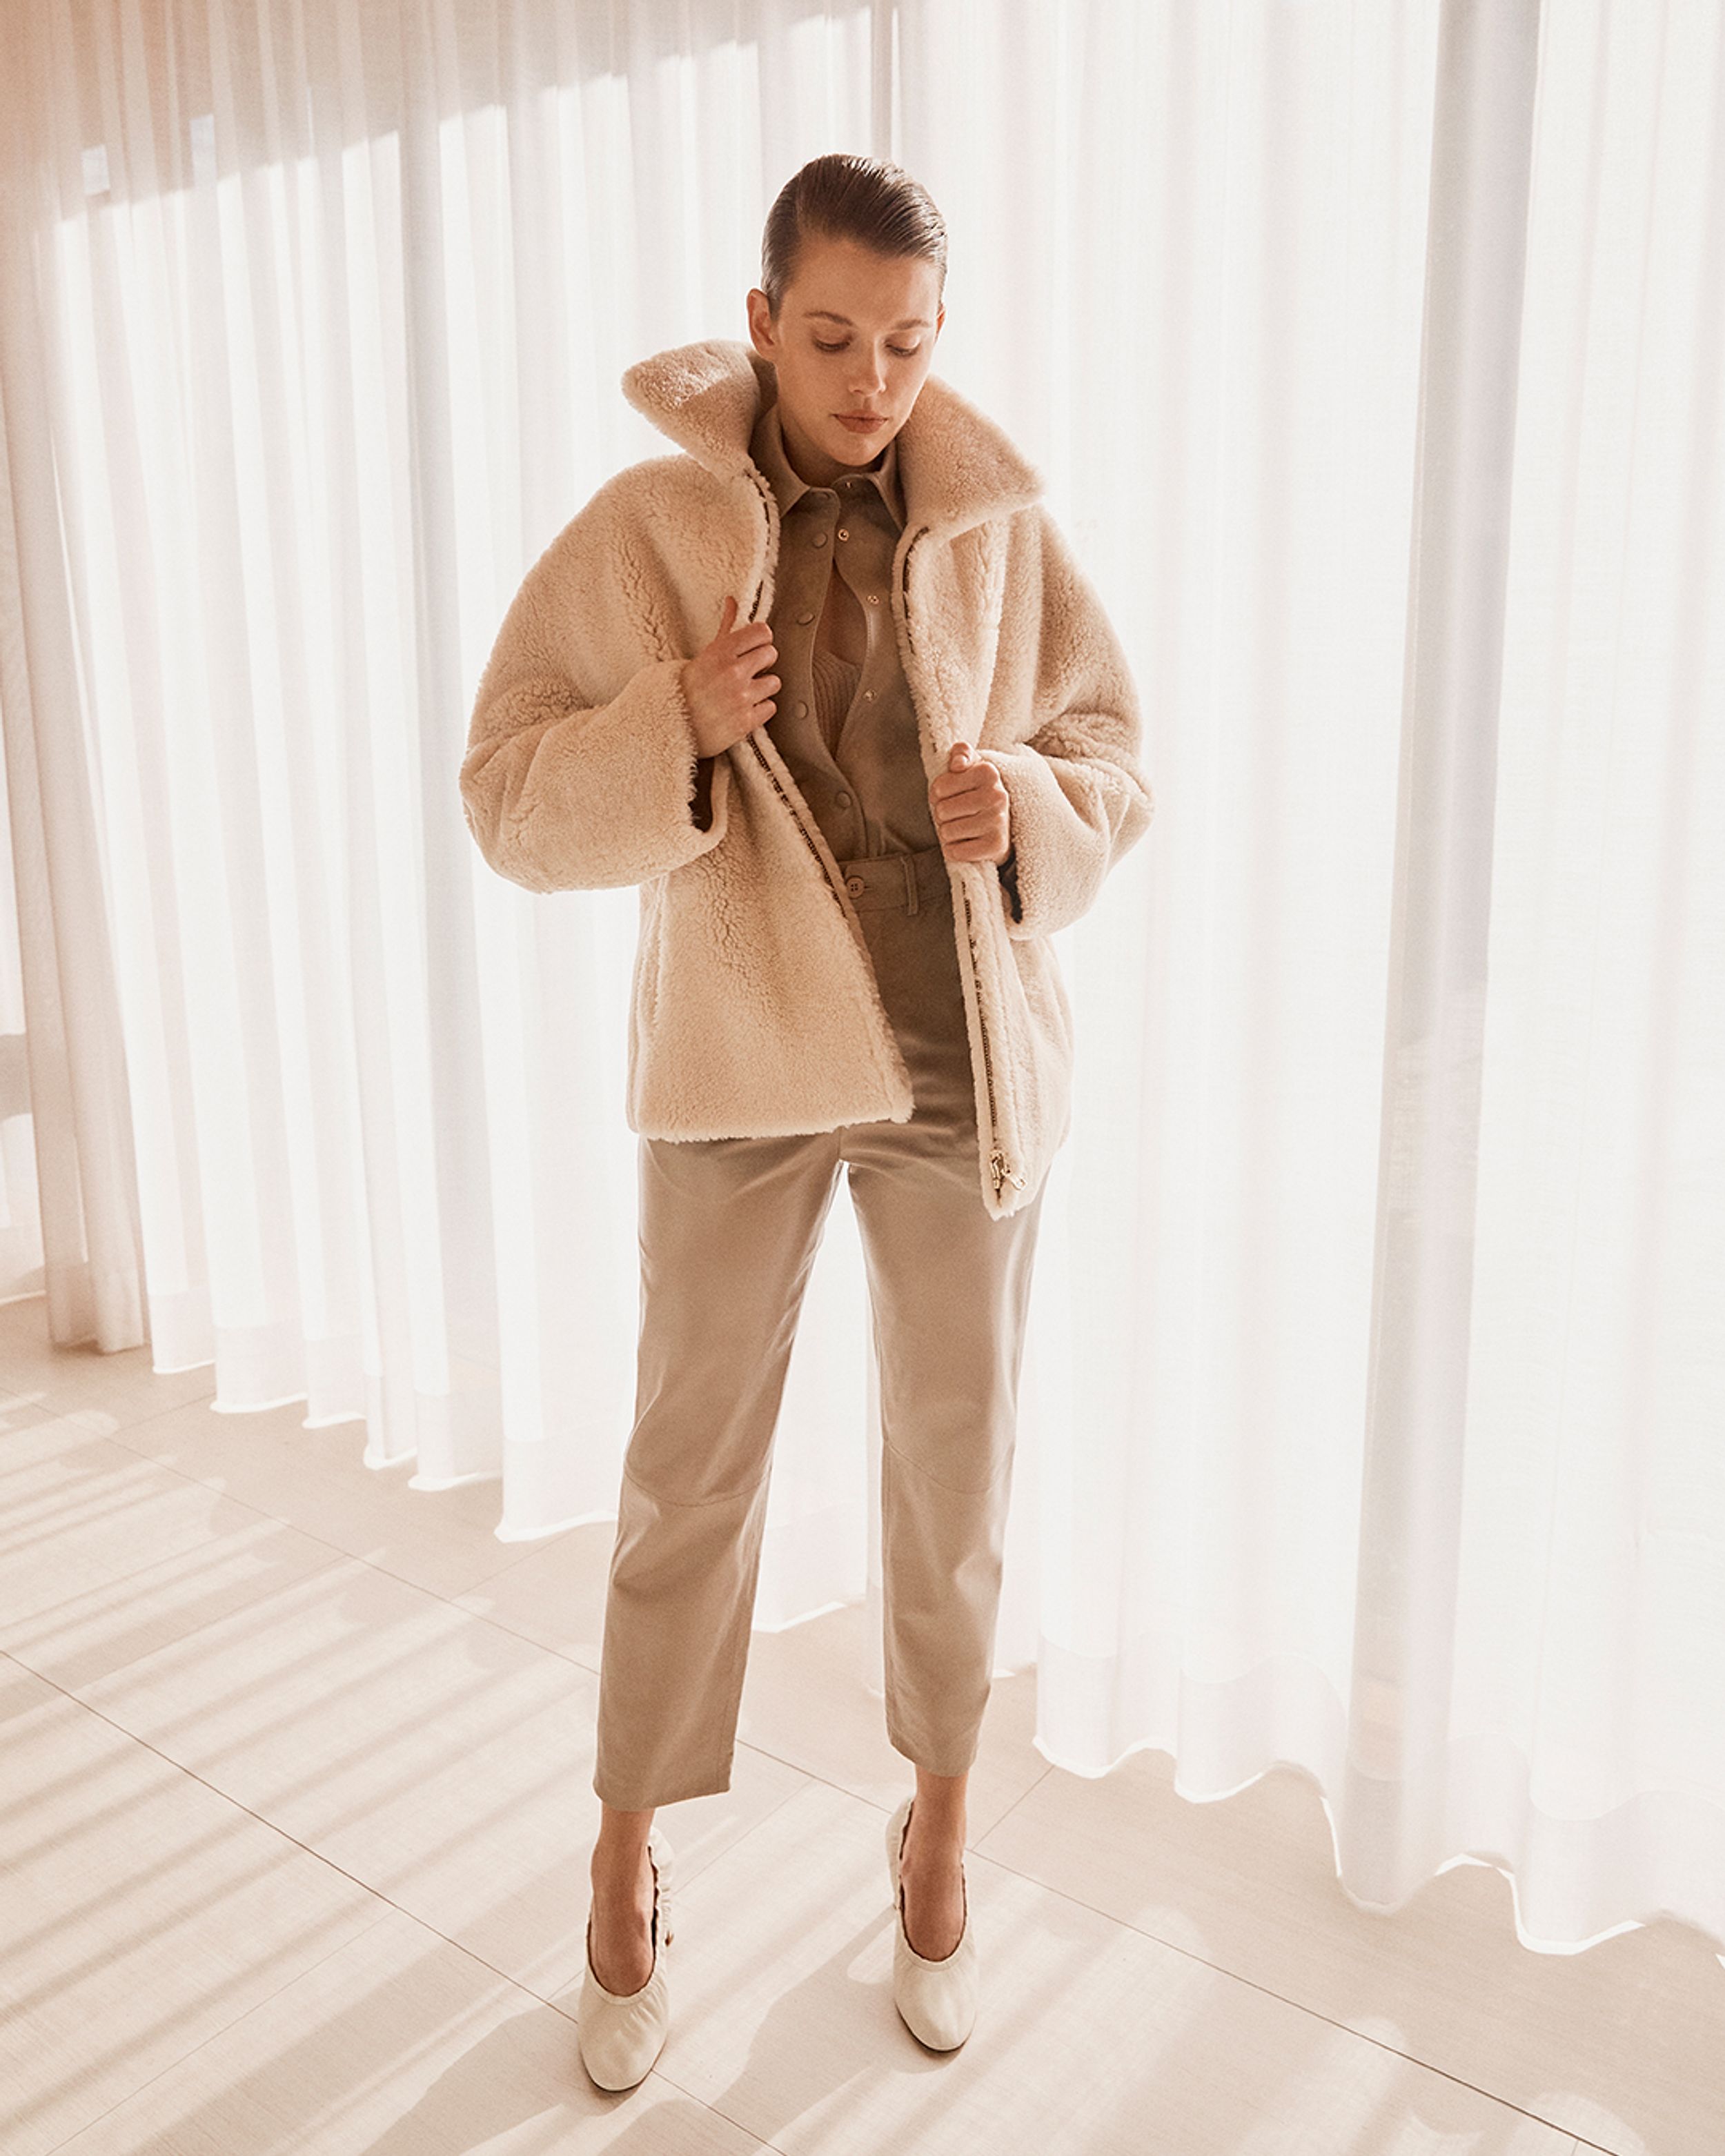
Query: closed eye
point(898, 351)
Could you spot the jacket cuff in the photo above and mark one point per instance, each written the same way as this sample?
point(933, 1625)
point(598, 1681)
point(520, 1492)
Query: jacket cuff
point(1072, 818)
point(581, 799)
point(1008, 873)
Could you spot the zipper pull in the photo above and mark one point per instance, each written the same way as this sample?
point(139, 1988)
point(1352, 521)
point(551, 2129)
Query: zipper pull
point(1002, 1172)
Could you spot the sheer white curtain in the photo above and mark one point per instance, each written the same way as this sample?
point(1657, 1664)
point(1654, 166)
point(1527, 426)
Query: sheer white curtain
point(1376, 1382)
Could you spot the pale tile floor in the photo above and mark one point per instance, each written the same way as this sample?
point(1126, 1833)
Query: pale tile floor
point(297, 1798)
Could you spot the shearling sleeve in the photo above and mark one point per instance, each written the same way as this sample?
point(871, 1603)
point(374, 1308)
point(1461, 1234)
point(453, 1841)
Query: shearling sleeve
point(565, 787)
point(1080, 799)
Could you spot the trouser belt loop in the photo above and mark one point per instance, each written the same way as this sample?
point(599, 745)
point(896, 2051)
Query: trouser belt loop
point(907, 862)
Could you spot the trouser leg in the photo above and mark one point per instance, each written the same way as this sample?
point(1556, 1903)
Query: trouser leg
point(729, 1230)
point(950, 1288)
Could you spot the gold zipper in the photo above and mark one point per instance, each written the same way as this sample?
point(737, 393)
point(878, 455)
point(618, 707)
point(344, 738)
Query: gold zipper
point(1001, 1168)
point(802, 828)
point(795, 818)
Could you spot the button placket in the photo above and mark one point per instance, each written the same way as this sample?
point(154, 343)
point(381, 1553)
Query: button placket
point(859, 565)
point(850, 529)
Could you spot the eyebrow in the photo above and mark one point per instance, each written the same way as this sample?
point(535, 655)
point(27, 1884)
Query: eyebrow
point(910, 321)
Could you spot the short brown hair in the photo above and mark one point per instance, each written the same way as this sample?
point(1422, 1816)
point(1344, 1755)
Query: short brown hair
point(846, 197)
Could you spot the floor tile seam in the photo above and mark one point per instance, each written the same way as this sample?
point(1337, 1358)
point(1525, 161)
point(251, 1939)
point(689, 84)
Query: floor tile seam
point(659, 2072)
point(91, 1400)
point(1299, 2006)
point(160, 1556)
point(173, 2066)
point(377, 1895)
point(843, 1788)
point(121, 1579)
point(1127, 1923)
point(280, 1520)
point(155, 1414)
point(275, 1828)
point(337, 1555)
point(1023, 1797)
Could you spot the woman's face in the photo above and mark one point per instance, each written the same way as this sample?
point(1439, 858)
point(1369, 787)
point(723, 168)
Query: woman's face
point(856, 333)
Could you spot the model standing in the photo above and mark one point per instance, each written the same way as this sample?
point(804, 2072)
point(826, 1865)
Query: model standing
point(829, 684)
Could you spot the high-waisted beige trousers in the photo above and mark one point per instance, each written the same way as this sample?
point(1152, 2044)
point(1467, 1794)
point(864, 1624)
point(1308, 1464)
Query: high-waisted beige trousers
point(729, 1231)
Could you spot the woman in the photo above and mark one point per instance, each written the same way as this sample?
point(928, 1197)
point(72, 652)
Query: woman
point(857, 808)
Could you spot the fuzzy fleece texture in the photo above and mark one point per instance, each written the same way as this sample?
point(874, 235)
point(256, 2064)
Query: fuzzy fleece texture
point(755, 1010)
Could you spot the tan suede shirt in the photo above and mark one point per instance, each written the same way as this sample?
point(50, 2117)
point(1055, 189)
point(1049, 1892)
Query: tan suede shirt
point(847, 733)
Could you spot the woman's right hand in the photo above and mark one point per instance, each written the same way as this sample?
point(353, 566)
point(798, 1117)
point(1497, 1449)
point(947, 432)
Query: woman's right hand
point(727, 694)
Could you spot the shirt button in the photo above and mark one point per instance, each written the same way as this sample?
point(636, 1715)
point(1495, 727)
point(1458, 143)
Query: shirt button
point(820, 538)
point(874, 598)
point(868, 695)
point(843, 800)
point(805, 615)
point(856, 886)
point(802, 711)
point(843, 533)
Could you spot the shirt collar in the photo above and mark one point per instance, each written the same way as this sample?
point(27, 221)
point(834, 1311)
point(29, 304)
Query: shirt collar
point(767, 448)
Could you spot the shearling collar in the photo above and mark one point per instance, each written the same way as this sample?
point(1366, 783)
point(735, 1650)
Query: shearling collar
point(956, 466)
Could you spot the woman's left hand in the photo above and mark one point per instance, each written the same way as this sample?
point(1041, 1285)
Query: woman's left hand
point(971, 808)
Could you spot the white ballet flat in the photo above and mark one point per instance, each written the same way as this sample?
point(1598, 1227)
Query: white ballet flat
point(621, 2034)
point(935, 1999)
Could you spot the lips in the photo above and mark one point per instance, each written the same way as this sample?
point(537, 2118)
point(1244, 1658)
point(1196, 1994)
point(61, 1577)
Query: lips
point(862, 421)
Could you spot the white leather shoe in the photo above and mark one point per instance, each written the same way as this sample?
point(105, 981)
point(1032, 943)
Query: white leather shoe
point(937, 1999)
point(621, 2034)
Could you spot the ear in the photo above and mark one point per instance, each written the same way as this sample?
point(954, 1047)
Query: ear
point(760, 322)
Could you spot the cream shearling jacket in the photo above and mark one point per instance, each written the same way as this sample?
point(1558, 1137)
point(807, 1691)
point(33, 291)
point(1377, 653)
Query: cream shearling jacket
point(754, 1007)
